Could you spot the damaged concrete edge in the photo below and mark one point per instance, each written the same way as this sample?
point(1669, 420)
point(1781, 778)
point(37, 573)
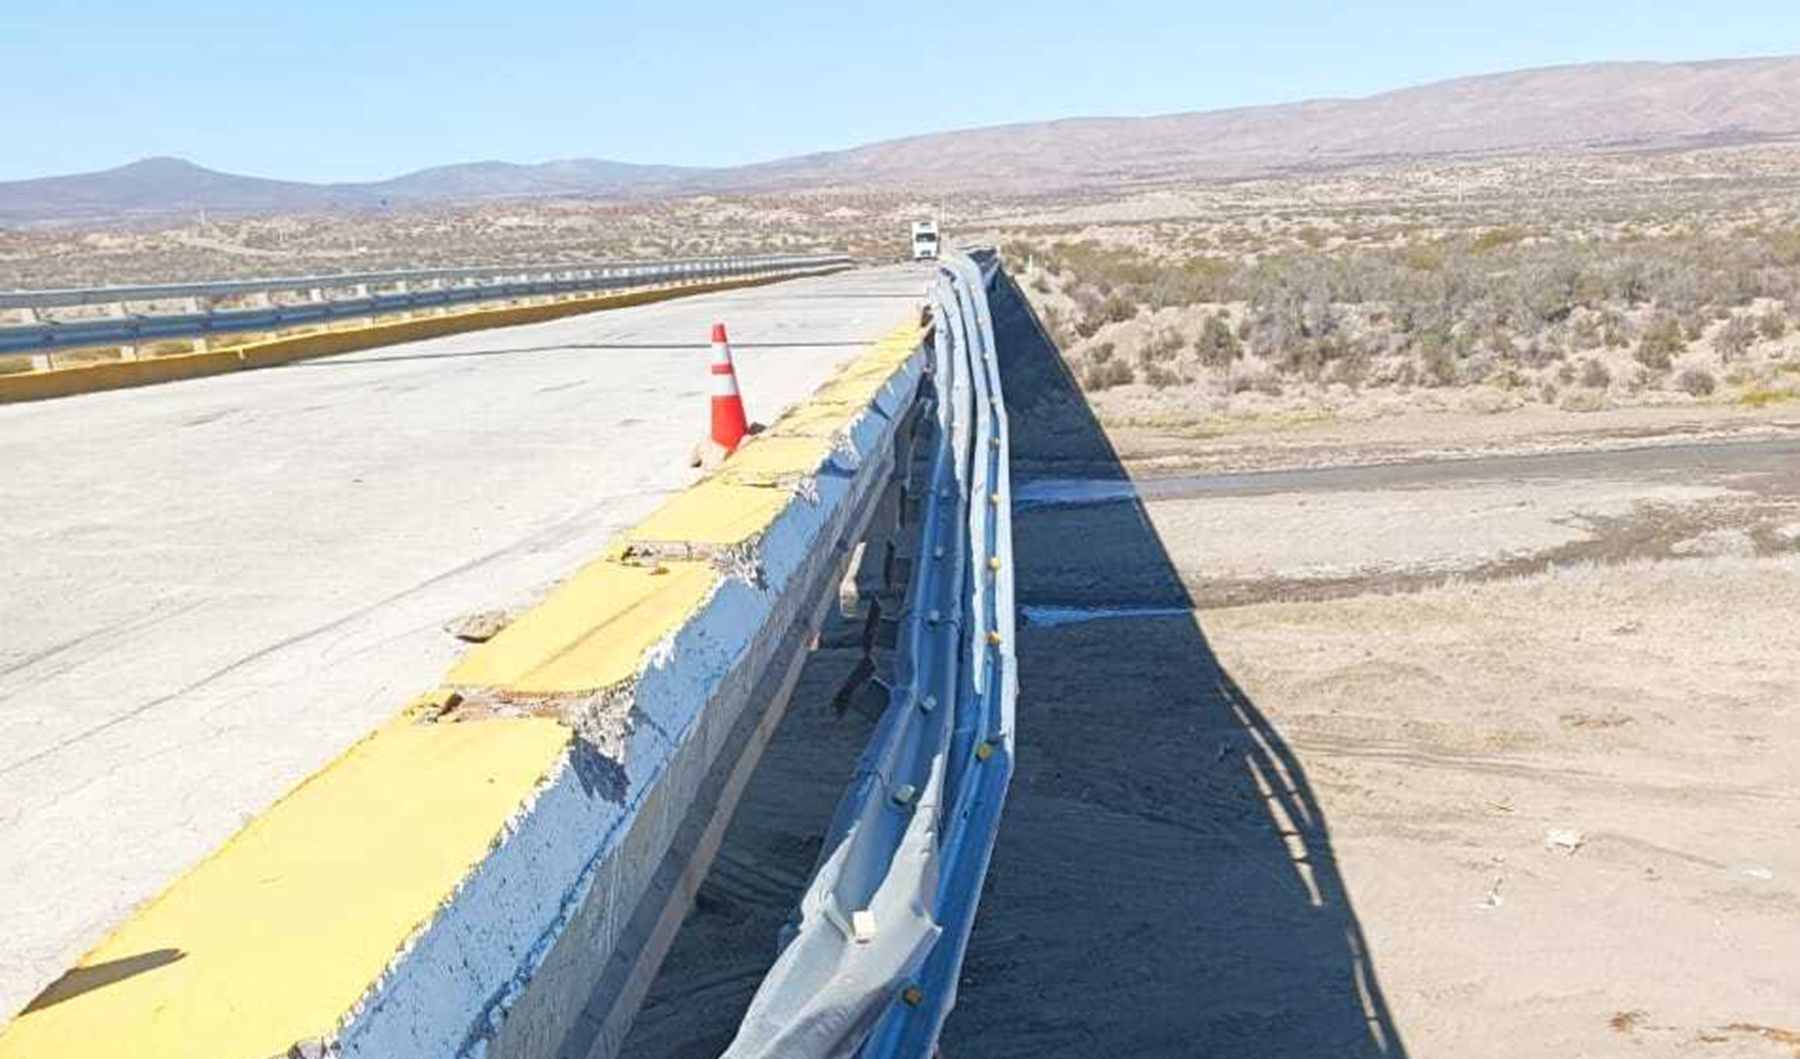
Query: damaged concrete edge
point(433, 890)
point(125, 374)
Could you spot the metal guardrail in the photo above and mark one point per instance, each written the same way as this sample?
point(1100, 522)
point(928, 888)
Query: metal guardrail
point(323, 298)
point(872, 965)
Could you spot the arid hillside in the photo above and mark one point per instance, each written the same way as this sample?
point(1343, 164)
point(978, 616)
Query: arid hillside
point(1604, 107)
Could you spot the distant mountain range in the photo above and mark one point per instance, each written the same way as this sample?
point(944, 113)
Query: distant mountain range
point(1570, 108)
point(161, 187)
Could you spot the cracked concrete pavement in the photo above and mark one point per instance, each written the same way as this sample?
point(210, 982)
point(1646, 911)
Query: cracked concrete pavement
point(210, 588)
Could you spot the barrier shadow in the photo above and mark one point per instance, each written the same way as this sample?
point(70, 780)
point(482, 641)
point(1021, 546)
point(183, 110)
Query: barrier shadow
point(1164, 883)
point(100, 975)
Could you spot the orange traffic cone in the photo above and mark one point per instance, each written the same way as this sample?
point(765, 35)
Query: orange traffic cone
point(729, 424)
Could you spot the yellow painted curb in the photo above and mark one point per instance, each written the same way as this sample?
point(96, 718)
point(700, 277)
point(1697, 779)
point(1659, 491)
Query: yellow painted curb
point(590, 633)
point(275, 937)
point(278, 936)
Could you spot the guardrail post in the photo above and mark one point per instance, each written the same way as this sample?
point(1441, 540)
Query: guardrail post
point(127, 351)
point(39, 361)
point(202, 304)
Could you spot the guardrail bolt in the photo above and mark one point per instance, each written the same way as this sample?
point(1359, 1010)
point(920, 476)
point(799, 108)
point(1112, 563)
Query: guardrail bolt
point(994, 638)
point(927, 704)
point(913, 995)
point(983, 751)
point(904, 794)
point(993, 499)
point(994, 562)
point(933, 618)
point(938, 552)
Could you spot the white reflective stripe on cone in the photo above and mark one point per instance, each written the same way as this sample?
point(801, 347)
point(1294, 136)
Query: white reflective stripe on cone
point(725, 385)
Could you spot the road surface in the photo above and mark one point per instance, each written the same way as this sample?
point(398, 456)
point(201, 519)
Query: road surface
point(212, 587)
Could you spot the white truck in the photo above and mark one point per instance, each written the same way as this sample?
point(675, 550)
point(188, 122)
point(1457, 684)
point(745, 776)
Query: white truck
point(924, 241)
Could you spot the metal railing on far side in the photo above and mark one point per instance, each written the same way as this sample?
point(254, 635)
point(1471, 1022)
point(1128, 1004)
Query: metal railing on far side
point(43, 321)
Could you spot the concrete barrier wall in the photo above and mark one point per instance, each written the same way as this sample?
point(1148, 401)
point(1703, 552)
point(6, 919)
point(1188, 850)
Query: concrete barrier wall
point(121, 374)
point(497, 871)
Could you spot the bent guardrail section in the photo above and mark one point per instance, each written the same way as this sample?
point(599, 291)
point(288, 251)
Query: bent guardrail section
point(872, 965)
point(323, 299)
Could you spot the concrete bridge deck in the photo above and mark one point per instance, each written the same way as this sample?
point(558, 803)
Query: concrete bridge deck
point(210, 588)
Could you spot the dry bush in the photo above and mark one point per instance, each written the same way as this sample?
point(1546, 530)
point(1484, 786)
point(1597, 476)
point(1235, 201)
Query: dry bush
point(1218, 346)
point(1696, 382)
point(1663, 341)
point(1735, 338)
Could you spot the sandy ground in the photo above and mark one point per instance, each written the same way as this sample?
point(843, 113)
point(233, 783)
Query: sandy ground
point(1224, 446)
point(1483, 759)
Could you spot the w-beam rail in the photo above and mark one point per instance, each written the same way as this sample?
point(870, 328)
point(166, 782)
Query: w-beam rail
point(128, 316)
point(871, 969)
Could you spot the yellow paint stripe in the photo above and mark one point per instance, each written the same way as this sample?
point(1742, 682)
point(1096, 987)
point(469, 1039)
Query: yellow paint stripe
point(715, 513)
point(273, 938)
point(815, 420)
point(766, 459)
point(591, 632)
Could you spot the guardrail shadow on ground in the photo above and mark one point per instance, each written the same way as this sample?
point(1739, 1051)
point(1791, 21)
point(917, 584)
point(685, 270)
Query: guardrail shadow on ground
point(1164, 883)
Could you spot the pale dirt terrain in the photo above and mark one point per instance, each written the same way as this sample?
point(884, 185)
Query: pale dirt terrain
point(1487, 758)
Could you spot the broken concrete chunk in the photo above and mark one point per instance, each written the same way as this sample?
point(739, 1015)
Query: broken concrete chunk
point(479, 628)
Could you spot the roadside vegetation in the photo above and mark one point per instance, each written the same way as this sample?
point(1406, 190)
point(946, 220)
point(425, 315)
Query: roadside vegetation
point(1523, 316)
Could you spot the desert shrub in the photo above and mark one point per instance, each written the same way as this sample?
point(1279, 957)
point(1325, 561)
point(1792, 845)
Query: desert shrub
point(1101, 353)
point(1496, 238)
point(1160, 377)
point(1218, 345)
point(1735, 338)
point(1663, 341)
point(1422, 257)
point(1594, 374)
point(1615, 330)
point(1437, 359)
point(1351, 370)
point(1100, 375)
point(1266, 383)
point(1696, 382)
point(1160, 348)
point(1112, 309)
point(1585, 332)
point(1772, 325)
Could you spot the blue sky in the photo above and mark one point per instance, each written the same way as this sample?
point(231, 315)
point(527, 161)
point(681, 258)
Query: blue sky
point(341, 90)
